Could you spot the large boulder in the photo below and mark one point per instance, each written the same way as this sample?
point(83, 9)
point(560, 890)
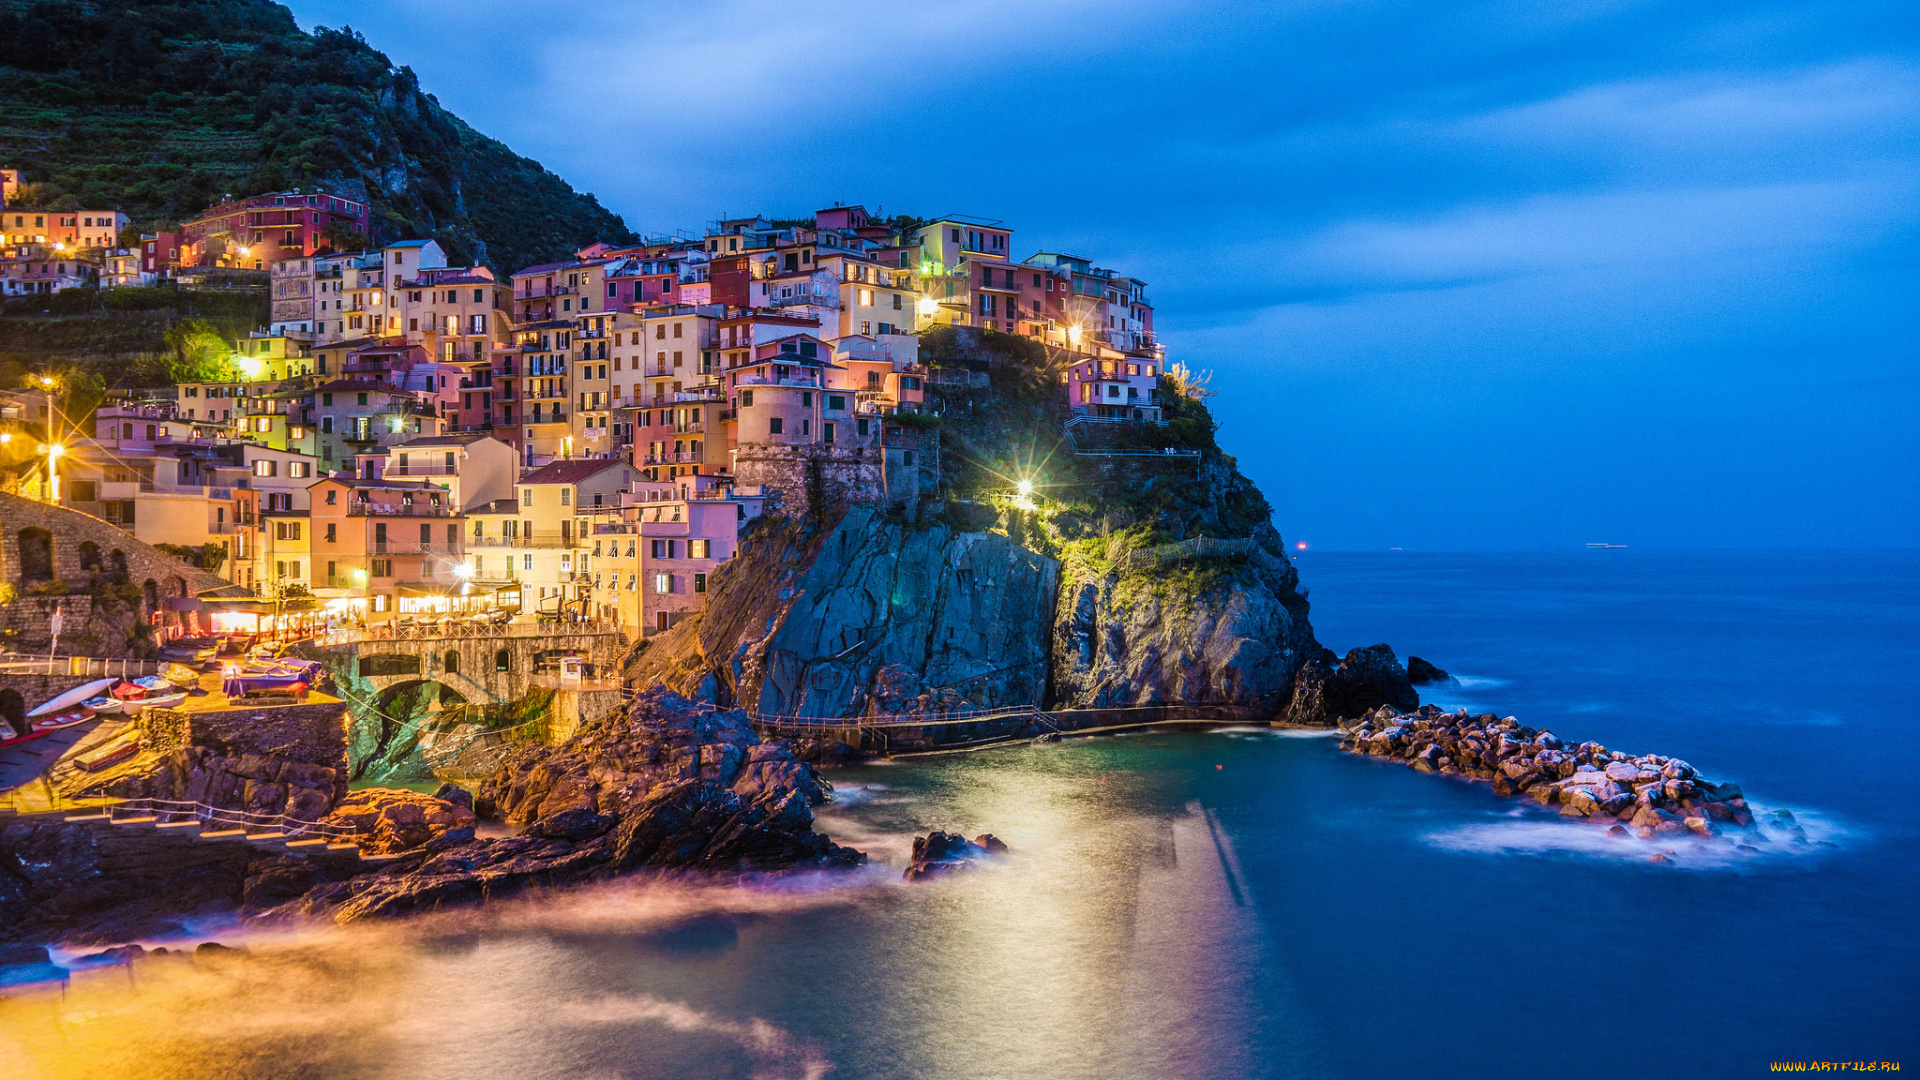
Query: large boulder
point(389, 820)
point(940, 853)
point(1327, 691)
point(1422, 673)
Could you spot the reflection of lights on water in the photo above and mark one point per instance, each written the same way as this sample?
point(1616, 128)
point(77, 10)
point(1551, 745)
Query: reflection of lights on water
point(1302, 545)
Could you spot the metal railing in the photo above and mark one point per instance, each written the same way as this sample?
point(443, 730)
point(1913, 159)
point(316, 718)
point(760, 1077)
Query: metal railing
point(414, 547)
point(91, 667)
point(373, 509)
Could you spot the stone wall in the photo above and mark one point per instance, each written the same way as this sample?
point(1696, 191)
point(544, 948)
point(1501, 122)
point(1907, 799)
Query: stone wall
point(811, 478)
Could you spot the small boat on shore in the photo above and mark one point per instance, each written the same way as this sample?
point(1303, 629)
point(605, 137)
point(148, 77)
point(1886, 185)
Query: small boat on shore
point(44, 724)
point(180, 675)
point(76, 696)
point(110, 753)
point(106, 706)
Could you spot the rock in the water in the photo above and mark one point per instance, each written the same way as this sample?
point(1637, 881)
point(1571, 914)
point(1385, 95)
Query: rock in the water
point(1327, 691)
point(664, 786)
point(1421, 673)
point(1647, 795)
point(940, 853)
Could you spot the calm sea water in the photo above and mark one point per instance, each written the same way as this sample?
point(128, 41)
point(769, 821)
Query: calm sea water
point(1242, 904)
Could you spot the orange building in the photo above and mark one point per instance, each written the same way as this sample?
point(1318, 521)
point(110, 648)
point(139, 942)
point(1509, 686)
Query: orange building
point(383, 548)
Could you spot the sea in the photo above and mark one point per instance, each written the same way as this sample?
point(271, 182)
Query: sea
point(1243, 903)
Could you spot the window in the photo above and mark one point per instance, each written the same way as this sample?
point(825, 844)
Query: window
point(699, 549)
point(826, 431)
point(896, 301)
point(333, 496)
point(699, 583)
point(83, 490)
point(863, 427)
point(526, 496)
point(774, 426)
point(566, 496)
point(382, 602)
point(836, 402)
point(330, 534)
point(264, 467)
point(290, 530)
point(663, 583)
point(806, 399)
point(746, 399)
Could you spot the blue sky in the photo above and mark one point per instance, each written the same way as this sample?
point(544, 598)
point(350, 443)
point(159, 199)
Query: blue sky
point(1467, 275)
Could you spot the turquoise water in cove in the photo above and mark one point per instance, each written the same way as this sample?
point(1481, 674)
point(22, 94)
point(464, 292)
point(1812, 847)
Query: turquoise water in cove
point(1224, 905)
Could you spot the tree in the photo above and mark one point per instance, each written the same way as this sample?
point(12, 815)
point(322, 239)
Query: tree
point(199, 352)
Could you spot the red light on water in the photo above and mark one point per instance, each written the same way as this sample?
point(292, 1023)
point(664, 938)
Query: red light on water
point(1302, 545)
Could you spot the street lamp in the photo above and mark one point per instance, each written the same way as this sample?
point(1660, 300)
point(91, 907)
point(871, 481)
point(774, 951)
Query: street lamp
point(54, 450)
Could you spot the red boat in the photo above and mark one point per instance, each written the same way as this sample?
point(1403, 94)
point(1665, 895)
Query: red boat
point(128, 691)
point(112, 753)
point(37, 726)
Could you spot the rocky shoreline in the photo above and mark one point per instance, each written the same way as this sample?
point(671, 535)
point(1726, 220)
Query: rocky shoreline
point(1648, 795)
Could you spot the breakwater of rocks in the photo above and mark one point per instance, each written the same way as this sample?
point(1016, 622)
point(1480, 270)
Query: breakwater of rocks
point(1646, 795)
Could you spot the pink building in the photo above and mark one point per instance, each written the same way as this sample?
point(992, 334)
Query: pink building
point(1115, 389)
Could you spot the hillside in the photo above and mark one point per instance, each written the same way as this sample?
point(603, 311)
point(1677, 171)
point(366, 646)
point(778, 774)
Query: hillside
point(160, 107)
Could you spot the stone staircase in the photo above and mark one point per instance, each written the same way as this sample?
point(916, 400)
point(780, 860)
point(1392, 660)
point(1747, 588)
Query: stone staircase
point(136, 822)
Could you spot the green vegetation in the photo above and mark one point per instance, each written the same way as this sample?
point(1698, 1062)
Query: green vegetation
point(208, 556)
point(122, 337)
point(1088, 509)
point(159, 107)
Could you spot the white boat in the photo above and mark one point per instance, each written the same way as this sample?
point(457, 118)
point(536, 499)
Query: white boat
point(180, 675)
point(159, 701)
point(73, 697)
point(105, 705)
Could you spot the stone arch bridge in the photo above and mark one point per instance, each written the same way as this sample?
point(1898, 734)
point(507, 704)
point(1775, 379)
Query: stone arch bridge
point(491, 669)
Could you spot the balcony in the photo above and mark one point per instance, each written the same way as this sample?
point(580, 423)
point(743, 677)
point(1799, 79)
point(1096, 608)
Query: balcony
point(804, 300)
point(534, 540)
point(413, 547)
point(769, 380)
point(373, 509)
point(416, 469)
point(674, 459)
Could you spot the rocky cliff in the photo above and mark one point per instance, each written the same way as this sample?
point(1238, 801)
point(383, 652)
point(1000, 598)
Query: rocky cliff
point(1227, 632)
point(867, 615)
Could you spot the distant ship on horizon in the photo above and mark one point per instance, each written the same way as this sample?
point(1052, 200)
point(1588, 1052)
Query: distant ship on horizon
point(1606, 545)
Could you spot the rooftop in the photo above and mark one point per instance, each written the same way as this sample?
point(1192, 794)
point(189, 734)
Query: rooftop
point(570, 472)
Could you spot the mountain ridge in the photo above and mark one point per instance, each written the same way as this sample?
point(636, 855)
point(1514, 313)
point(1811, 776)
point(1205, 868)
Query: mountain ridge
point(160, 108)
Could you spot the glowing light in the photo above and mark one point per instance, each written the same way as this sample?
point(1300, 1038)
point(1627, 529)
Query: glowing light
point(1073, 334)
point(55, 449)
point(359, 577)
point(1025, 487)
point(462, 570)
point(47, 381)
point(928, 305)
point(5, 437)
point(1302, 545)
point(250, 366)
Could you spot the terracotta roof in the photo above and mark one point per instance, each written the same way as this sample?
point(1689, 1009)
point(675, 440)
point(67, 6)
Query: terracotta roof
point(570, 472)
